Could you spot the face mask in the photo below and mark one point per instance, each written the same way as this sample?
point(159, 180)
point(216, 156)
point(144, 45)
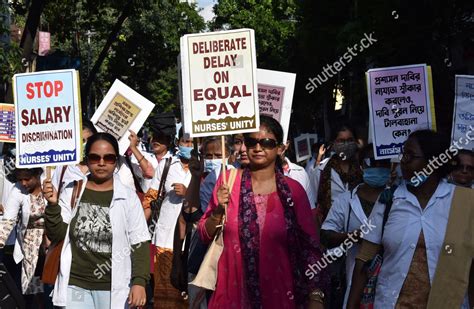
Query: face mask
point(417, 181)
point(345, 150)
point(376, 177)
point(211, 165)
point(13, 152)
point(185, 152)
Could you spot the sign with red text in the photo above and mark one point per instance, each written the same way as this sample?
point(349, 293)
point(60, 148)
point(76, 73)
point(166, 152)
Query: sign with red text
point(275, 96)
point(48, 118)
point(302, 148)
point(219, 83)
point(7, 123)
point(121, 110)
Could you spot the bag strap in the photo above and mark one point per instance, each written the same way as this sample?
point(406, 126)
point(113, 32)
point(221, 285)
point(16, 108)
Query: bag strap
point(128, 161)
point(60, 186)
point(164, 175)
point(388, 205)
point(76, 191)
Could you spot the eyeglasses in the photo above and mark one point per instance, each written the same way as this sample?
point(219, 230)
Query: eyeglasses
point(93, 158)
point(408, 157)
point(265, 143)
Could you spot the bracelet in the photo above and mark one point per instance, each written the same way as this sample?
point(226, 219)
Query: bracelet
point(317, 295)
point(143, 157)
point(215, 218)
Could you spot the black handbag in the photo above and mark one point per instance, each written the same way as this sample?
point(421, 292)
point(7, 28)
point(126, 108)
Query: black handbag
point(10, 296)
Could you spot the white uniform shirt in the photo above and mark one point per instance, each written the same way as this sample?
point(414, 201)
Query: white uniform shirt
point(128, 228)
point(405, 222)
point(337, 186)
point(171, 208)
point(299, 174)
point(346, 215)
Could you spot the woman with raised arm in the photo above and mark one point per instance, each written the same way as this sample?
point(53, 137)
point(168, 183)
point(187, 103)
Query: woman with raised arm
point(269, 235)
point(105, 256)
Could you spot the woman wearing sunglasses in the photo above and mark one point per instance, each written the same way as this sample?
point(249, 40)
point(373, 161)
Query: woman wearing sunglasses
point(269, 235)
point(105, 255)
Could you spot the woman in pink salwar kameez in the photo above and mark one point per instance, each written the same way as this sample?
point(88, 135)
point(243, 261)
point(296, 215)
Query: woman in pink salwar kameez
point(270, 237)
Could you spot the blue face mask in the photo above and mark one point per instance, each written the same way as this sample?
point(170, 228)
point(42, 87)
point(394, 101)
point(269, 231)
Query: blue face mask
point(376, 177)
point(417, 181)
point(185, 152)
point(211, 165)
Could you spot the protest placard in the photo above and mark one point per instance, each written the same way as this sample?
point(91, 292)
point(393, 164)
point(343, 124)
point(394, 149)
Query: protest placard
point(463, 115)
point(275, 96)
point(121, 110)
point(7, 123)
point(313, 139)
point(302, 148)
point(219, 83)
point(399, 103)
point(48, 118)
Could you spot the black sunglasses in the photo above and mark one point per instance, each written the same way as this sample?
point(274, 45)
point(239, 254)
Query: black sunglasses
point(93, 158)
point(265, 143)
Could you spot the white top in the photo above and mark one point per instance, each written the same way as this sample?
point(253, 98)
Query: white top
point(207, 186)
point(405, 222)
point(346, 215)
point(171, 208)
point(337, 186)
point(128, 228)
point(146, 183)
point(299, 174)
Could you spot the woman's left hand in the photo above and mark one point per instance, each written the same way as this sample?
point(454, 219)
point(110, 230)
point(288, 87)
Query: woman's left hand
point(315, 305)
point(137, 296)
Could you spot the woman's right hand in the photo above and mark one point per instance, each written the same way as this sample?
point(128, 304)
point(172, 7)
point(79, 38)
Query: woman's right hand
point(223, 197)
point(49, 192)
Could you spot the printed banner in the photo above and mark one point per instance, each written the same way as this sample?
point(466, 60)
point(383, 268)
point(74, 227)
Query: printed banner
point(399, 103)
point(462, 132)
point(219, 83)
point(121, 110)
point(48, 118)
point(275, 96)
point(7, 123)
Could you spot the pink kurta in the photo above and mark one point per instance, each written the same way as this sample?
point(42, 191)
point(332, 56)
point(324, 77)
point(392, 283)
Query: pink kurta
point(276, 276)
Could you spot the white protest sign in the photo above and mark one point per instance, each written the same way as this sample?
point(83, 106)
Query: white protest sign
point(219, 83)
point(463, 115)
point(302, 148)
point(48, 118)
point(275, 96)
point(122, 109)
point(399, 103)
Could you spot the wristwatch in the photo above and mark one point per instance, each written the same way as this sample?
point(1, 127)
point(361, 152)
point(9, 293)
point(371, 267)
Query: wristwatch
point(317, 295)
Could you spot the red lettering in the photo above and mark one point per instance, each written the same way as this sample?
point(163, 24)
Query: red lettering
point(67, 110)
point(210, 108)
point(57, 114)
point(30, 91)
point(58, 87)
point(195, 48)
point(48, 93)
point(38, 85)
point(223, 109)
point(198, 95)
point(24, 116)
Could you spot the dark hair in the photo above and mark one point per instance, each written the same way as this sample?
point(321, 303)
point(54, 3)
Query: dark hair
point(87, 124)
point(342, 128)
point(216, 139)
point(32, 172)
point(102, 136)
point(274, 127)
point(465, 152)
point(432, 145)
